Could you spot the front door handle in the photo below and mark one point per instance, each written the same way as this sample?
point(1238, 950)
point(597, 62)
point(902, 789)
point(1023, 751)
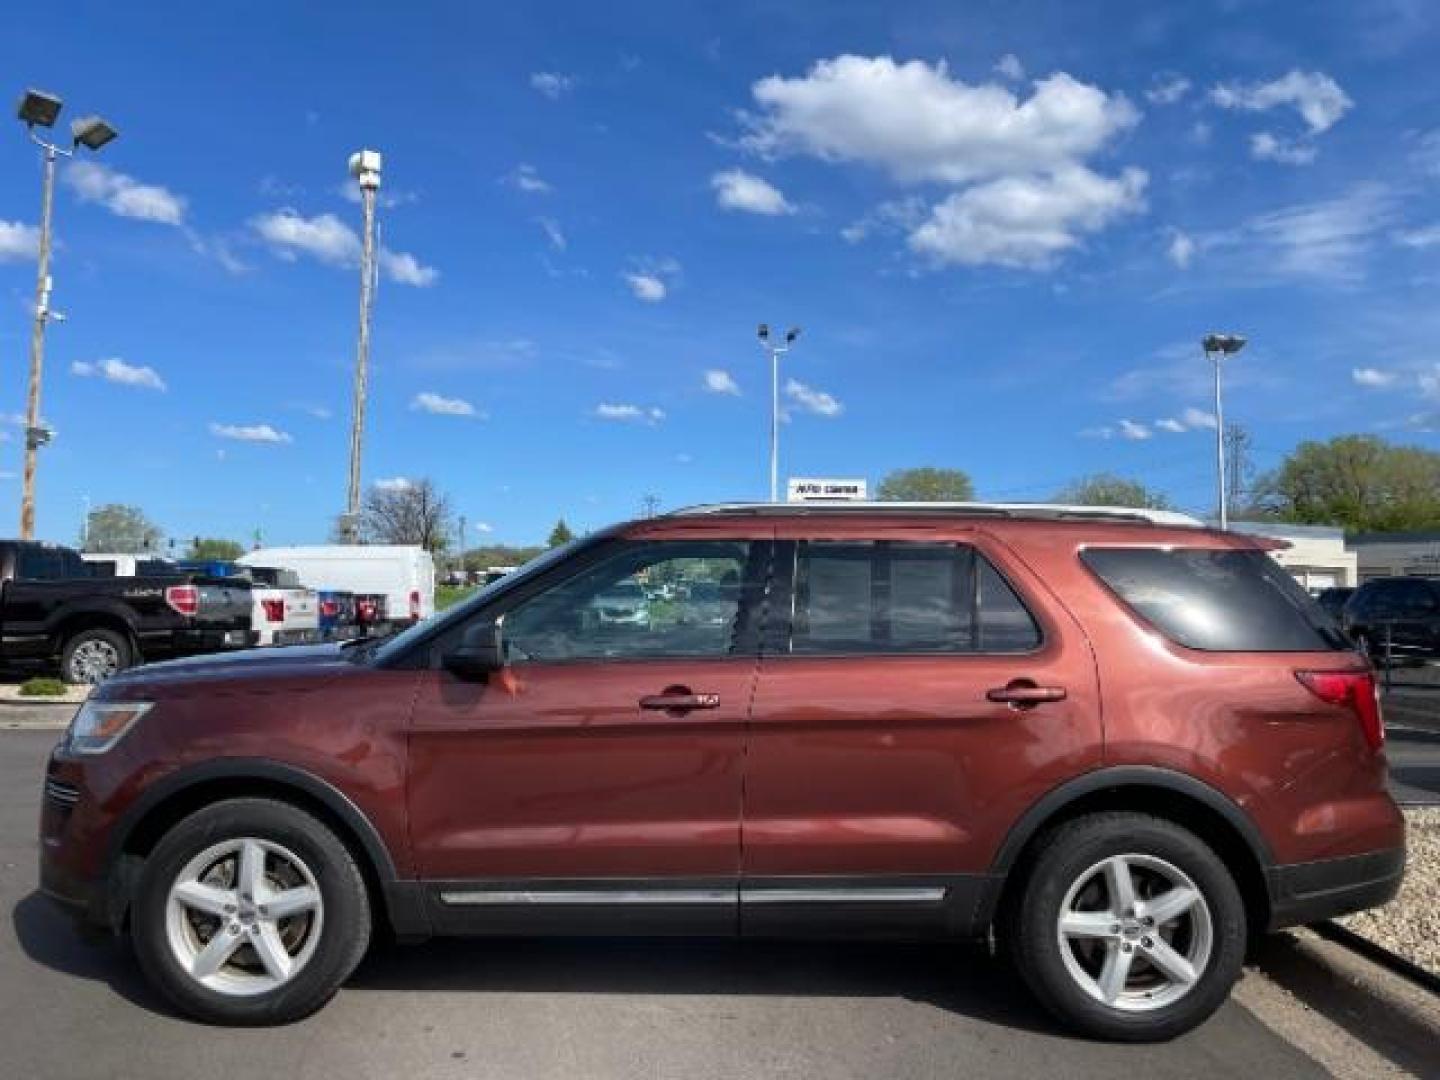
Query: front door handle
point(1024, 694)
point(679, 701)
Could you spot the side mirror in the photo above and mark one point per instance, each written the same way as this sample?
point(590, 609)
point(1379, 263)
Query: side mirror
point(480, 653)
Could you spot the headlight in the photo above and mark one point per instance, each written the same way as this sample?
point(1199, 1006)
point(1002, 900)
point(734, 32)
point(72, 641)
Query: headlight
point(99, 725)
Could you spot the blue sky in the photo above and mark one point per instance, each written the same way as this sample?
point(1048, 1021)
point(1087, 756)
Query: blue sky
point(1003, 228)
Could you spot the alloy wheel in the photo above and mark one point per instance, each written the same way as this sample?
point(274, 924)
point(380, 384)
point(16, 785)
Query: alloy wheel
point(1135, 932)
point(244, 916)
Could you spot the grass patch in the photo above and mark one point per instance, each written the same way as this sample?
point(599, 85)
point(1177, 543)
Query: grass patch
point(43, 687)
point(450, 595)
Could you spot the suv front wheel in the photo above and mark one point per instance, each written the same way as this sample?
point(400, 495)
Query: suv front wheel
point(1129, 927)
point(250, 911)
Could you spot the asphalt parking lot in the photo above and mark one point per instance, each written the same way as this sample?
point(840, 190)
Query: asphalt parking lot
point(558, 1008)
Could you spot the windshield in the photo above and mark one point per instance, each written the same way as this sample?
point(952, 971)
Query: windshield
point(380, 650)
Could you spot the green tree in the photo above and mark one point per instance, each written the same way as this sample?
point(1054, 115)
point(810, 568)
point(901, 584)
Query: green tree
point(1360, 482)
point(561, 534)
point(213, 548)
point(1107, 489)
point(120, 529)
point(926, 484)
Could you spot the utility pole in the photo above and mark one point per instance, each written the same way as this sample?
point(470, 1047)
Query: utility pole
point(649, 506)
point(775, 351)
point(365, 167)
point(41, 109)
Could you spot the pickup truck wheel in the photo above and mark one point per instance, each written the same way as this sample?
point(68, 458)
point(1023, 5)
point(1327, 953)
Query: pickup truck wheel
point(93, 655)
point(250, 912)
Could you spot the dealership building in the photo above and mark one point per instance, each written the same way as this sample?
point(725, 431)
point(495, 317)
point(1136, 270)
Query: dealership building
point(1411, 554)
point(1315, 555)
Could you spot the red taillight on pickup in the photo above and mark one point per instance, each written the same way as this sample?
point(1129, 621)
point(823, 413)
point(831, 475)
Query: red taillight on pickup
point(183, 599)
point(366, 611)
point(329, 609)
point(274, 610)
point(414, 605)
point(1355, 690)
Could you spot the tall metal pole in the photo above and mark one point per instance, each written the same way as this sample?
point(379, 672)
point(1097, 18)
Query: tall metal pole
point(774, 424)
point(365, 166)
point(1217, 358)
point(34, 437)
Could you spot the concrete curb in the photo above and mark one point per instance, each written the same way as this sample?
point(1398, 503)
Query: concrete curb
point(1386, 1011)
point(1371, 950)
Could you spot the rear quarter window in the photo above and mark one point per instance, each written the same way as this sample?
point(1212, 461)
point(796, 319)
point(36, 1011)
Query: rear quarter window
point(1217, 600)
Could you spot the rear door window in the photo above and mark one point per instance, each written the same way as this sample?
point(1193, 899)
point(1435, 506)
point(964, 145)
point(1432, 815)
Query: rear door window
point(889, 597)
point(1217, 600)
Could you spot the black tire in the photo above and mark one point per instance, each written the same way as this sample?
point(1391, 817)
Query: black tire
point(74, 666)
point(1062, 858)
point(344, 929)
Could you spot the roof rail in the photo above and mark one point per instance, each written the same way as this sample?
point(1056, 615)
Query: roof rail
point(1036, 511)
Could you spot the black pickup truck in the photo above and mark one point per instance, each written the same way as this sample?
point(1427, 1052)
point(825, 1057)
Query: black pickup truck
point(53, 607)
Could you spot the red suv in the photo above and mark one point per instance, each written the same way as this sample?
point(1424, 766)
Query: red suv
point(1120, 742)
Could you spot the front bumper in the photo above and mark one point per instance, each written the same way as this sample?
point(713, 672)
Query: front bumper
point(1303, 893)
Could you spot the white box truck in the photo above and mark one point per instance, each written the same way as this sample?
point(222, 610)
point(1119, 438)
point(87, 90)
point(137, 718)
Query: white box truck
point(403, 574)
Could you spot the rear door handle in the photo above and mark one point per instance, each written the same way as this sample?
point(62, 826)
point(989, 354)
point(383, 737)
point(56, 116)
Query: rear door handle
point(1024, 694)
point(672, 702)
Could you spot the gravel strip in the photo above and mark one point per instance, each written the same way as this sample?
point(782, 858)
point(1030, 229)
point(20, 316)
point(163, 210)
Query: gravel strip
point(1410, 924)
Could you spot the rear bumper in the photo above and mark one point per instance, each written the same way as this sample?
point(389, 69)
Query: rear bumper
point(1309, 892)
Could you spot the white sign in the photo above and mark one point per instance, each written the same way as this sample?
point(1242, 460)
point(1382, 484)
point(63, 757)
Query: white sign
point(801, 489)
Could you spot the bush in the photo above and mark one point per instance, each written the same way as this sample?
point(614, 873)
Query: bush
point(43, 687)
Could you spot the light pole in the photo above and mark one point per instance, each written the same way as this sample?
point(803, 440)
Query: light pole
point(776, 351)
point(1217, 347)
point(365, 167)
point(38, 109)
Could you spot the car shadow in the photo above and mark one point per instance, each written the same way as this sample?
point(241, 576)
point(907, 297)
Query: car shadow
point(51, 939)
point(959, 978)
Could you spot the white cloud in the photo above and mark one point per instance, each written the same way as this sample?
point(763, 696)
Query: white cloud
point(1430, 384)
point(630, 413)
point(1314, 95)
point(721, 382)
point(115, 370)
point(404, 269)
point(913, 120)
point(647, 287)
point(329, 240)
point(394, 483)
point(123, 195)
point(1198, 418)
point(812, 400)
point(1266, 146)
point(438, 405)
point(553, 233)
point(1135, 432)
point(525, 178)
point(1104, 431)
point(1181, 251)
point(1167, 89)
point(1026, 221)
point(736, 189)
point(483, 527)
point(1170, 424)
point(1010, 67)
point(893, 215)
point(1373, 377)
point(256, 433)
point(1425, 237)
point(18, 241)
point(1320, 239)
point(552, 84)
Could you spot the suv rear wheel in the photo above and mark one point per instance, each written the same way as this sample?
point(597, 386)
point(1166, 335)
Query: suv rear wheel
point(250, 911)
point(1129, 927)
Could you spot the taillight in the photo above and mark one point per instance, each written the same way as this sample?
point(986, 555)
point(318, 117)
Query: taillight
point(183, 599)
point(1355, 690)
point(329, 608)
point(365, 609)
point(414, 603)
point(274, 610)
